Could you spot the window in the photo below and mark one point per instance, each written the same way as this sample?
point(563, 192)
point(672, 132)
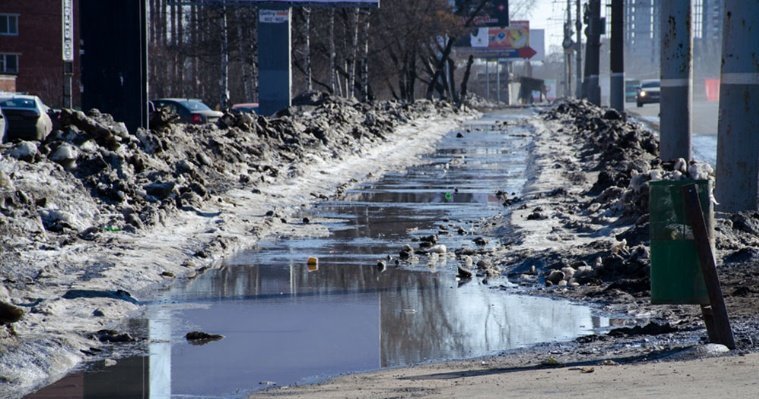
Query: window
point(9, 63)
point(9, 24)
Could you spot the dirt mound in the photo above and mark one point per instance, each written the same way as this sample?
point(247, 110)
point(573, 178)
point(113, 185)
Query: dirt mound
point(613, 162)
point(94, 175)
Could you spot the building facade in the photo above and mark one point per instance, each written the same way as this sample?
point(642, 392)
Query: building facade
point(642, 38)
point(31, 49)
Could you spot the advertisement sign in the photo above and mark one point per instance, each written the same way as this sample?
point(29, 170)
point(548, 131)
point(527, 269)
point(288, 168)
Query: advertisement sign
point(67, 33)
point(513, 37)
point(313, 3)
point(273, 16)
point(496, 14)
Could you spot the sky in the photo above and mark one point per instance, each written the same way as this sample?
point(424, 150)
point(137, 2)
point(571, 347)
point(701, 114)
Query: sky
point(548, 15)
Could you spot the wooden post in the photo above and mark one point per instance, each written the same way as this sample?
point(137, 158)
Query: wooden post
point(720, 322)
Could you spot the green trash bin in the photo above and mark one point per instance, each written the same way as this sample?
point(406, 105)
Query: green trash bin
point(676, 276)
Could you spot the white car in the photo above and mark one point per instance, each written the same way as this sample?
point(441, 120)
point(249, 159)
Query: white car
point(26, 117)
point(3, 126)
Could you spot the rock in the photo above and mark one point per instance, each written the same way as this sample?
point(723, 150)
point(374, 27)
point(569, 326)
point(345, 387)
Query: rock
point(438, 249)
point(65, 155)
point(712, 349)
point(201, 337)
point(464, 273)
point(9, 313)
point(6, 183)
point(612, 115)
point(24, 151)
point(555, 276)
point(160, 190)
point(747, 222)
point(134, 220)
point(568, 271)
point(535, 215)
point(742, 255)
point(113, 336)
point(480, 241)
point(484, 264)
point(58, 220)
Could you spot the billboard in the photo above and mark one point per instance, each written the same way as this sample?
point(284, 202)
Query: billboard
point(311, 3)
point(505, 40)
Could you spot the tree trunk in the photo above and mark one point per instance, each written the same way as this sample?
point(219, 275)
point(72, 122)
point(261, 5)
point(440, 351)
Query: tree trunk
point(465, 80)
point(452, 81)
point(332, 53)
point(244, 65)
point(365, 73)
point(354, 56)
point(307, 47)
point(224, 79)
point(172, 49)
point(447, 51)
point(179, 51)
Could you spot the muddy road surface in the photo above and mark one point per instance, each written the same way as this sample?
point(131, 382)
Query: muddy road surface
point(364, 305)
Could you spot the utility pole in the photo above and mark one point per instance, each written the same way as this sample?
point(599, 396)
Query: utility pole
point(578, 66)
point(674, 126)
point(738, 140)
point(567, 45)
point(592, 52)
point(617, 83)
point(224, 78)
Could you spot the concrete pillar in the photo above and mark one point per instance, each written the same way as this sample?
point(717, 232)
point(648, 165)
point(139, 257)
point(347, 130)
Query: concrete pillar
point(674, 126)
point(617, 83)
point(738, 140)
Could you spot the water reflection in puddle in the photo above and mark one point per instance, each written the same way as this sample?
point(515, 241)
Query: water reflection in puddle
point(286, 323)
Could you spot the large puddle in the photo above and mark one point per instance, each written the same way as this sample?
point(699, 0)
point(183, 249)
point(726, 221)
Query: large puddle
point(285, 322)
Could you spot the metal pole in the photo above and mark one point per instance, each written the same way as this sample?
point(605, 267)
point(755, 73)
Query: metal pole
point(487, 79)
point(68, 79)
point(738, 140)
point(568, 51)
point(674, 125)
point(617, 83)
point(578, 67)
point(498, 80)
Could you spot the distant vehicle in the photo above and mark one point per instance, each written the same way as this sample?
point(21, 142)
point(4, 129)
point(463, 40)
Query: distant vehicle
point(245, 107)
point(631, 89)
point(189, 110)
point(26, 117)
point(648, 93)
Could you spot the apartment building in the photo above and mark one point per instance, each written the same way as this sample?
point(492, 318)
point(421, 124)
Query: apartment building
point(31, 48)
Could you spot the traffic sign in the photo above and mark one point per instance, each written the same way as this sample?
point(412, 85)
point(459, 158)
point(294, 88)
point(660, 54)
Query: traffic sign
point(526, 52)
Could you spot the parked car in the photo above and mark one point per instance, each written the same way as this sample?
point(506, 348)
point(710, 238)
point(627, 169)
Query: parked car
point(648, 93)
point(631, 89)
point(189, 110)
point(3, 126)
point(26, 117)
point(245, 107)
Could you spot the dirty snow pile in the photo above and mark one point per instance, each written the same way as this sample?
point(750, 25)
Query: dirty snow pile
point(599, 213)
point(73, 207)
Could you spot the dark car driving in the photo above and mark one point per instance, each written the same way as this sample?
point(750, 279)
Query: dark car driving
point(648, 93)
point(189, 110)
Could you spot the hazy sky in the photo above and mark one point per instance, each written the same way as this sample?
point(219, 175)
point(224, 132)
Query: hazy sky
point(548, 15)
